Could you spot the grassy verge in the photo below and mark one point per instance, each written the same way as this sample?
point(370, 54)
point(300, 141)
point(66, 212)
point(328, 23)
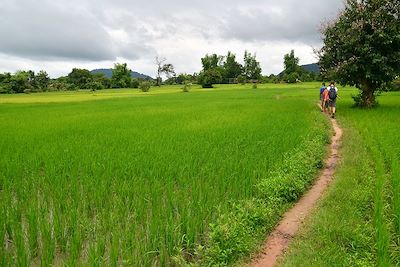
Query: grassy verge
point(357, 222)
point(340, 231)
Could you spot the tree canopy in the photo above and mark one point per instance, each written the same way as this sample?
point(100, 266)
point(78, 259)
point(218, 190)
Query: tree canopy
point(251, 67)
point(362, 47)
point(167, 69)
point(79, 78)
point(292, 69)
point(121, 76)
point(232, 68)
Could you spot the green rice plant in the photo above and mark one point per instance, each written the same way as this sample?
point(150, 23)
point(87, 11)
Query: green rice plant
point(33, 234)
point(21, 252)
point(129, 179)
point(395, 179)
point(379, 214)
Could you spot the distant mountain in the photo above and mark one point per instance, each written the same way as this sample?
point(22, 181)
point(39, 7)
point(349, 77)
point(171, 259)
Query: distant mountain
point(108, 73)
point(314, 67)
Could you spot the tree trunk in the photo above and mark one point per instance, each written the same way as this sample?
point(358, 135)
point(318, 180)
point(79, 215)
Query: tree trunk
point(367, 95)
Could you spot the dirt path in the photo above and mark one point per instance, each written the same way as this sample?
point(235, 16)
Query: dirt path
point(278, 241)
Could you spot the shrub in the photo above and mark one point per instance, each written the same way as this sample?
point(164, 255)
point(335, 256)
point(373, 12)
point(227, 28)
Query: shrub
point(145, 86)
point(254, 86)
point(395, 85)
point(241, 79)
point(186, 86)
point(293, 77)
point(57, 86)
point(27, 91)
point(210, 77)
point(94, 86)
point(135, 83)
point(359, 100)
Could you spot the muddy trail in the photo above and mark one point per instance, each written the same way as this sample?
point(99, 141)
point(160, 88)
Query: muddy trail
point(279, 240)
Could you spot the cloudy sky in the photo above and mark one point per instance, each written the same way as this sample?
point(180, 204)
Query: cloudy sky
point(59, 35)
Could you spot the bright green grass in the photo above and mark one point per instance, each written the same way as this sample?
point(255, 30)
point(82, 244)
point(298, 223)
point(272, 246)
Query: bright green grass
point(129, 180)
point(358, 222)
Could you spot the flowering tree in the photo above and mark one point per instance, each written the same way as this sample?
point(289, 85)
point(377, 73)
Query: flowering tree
point(362, 47)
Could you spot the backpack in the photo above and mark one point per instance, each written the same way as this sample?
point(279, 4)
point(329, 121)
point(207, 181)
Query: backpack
point(332, 93)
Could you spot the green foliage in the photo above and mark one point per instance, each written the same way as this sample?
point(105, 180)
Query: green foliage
point(292, 77)
point(121, 76)
point(80, 78)
point(212, 61)
point(167, 69)
point(360, 102)
point(251, 67)
point(5, 85)
point(362, 47)
point(186, 86)
point(291, 63)
point(102, 79)
point(57, 85)
point(271, 79)
point(227, 67)
point(231, 67)
point(293, 72)
point(135, 83)
point(145, 86)
point(210, 77)
point(42, 81)
point(241, 79)
point(395, 86)
point(94, 86)
point(24, 82)
point(183, 77)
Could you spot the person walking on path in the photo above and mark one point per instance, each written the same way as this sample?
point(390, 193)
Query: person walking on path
point(321, 96)
point(325, 100)
point(333, 94)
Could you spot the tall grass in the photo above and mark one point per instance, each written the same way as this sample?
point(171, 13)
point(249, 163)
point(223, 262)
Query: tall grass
point(131, 181)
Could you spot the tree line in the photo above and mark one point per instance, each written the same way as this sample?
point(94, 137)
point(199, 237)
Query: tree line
point(215, 69)
point(219, 69)
point(29, 81)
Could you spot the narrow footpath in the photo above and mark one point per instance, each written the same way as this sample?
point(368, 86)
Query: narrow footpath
point(279, 240)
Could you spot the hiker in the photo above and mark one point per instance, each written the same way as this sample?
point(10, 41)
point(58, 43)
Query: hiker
point(333, 94)
point(321, 95)
point(325, 100)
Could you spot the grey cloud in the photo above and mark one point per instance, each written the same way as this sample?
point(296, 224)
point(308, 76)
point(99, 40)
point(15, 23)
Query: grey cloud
point(293, 21)
point(53, 31)
point(104, 30)
point(264, 20)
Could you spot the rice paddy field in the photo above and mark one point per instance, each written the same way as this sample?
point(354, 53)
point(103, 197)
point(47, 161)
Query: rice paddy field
point(358, 224)
point(121, 177)
point(125, 178)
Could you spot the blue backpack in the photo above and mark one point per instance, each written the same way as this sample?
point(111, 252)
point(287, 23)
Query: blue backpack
point(332, 93)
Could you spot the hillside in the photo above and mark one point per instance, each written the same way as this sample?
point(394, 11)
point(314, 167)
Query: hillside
point(313, 67)
point(134, 74)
